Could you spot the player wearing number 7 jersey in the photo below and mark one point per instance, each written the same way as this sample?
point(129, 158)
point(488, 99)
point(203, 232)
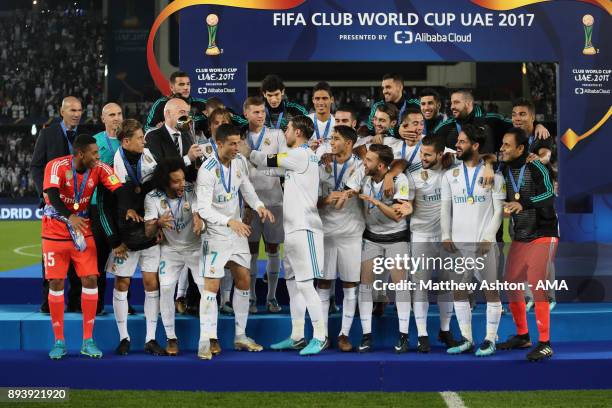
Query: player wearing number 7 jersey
point(220, 179)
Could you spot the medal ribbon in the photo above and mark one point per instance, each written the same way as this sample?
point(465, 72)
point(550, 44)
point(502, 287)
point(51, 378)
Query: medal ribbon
point(78, 192)
point(325, 132)
point(259, 139)
point(228, 187)
point(128, 167)
point(338, 179)
point(377, 195)
point(517, 185)
point(469, 185)
point(278, 121)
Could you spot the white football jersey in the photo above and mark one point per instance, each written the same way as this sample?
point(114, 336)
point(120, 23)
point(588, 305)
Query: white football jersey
point(376, 221)
point(348, 221)
point(147, 166)
point(182, 237)
point(268, 141)
point(470, 221)
point(217, 205)
point(324, 130)
point(425, 218)
point(301, 171)
point(401, 150)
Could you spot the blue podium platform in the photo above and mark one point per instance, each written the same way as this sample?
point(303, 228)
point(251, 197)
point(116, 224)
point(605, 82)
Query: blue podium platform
point(574, 366)
point(581, 334)
point(23, 328)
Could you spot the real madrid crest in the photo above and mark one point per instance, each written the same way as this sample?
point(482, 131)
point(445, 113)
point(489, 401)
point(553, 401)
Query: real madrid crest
point(328, 168)
point(209, 149)
point(148, 158)
point(456, 172)
point(267, 141)
point(424, 175)
point(163, 204)
point(186, 206)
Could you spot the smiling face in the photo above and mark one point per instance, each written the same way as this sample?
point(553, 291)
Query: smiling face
point(392, 90)
point(461, 106)
point(509, 150)
point(382, 122)
point(523, 118)
point(176, 182)
point(322, 102)
point(429, 107)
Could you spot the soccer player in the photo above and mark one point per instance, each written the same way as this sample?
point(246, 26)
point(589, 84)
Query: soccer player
point(385, 236)
point(69, 183)
point(523, 116)
point(384, 120)
point(303, 228)
point(171, 208)
point(430, 107)
point(323, 120)
point(466, 112)
point(180, 87)
point(269, 141)
point(407, 146)
point(279, 111)
point(134, 165)
point(345, 116)
point(104, 233)
point(393, 92)
point(470, 217)
point(225, 243)
point(426, 240)
point(343, 228)
point(530, 201)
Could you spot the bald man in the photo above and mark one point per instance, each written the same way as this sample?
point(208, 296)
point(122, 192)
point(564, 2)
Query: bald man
point(102, 224)
point(52, 142)
point(168, 141)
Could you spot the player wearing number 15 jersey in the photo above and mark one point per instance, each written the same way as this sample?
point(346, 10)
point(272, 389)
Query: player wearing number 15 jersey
point(69, 183)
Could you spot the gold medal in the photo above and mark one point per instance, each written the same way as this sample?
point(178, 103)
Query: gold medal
point(229, 196)
point(186, 206)
point(137, 189)
point(470, 200)
point(76, 206)
point(517, 196)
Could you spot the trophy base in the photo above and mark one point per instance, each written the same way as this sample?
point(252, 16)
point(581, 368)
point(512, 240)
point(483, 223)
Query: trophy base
point(589, 51)
point(213, 50)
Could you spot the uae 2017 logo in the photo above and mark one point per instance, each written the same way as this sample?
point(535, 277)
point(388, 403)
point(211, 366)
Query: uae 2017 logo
point(588, 21)
point(212, 21)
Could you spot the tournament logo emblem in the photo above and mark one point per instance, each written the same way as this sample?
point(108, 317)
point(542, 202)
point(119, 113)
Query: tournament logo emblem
point(212, 21)
point(456, 173)
point(587, 22)
point(68, 175)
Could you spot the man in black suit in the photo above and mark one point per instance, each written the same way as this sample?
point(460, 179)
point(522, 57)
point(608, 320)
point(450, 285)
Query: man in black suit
point(169, 142)
point(56, 141)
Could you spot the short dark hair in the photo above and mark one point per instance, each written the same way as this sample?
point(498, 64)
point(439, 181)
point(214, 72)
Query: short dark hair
point(226, 130)
point(128, 128)
point(410, 110)
point(304, 124)
point(526, 103)
point(394, 76)
point(272, 83)
point(436, 141)
point(520, 136)
point(467, 93)
point(162, 171)
point(82, 142)
point(349, 109)
point(475, 134)
point(346, 132)
point(390, 109)
point(253, 101)
point(384, 153)
point(322, 86)
point(178, 74)
point(430, 92)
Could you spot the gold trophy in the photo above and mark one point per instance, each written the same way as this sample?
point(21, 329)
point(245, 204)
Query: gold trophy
point(588, 21)
point(212, 20)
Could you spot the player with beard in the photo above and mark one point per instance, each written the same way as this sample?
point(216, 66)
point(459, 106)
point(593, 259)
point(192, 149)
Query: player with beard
point(385, 235)
point(470, 217)
point(426, 240)
point(393, 93)
point(279, 111)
